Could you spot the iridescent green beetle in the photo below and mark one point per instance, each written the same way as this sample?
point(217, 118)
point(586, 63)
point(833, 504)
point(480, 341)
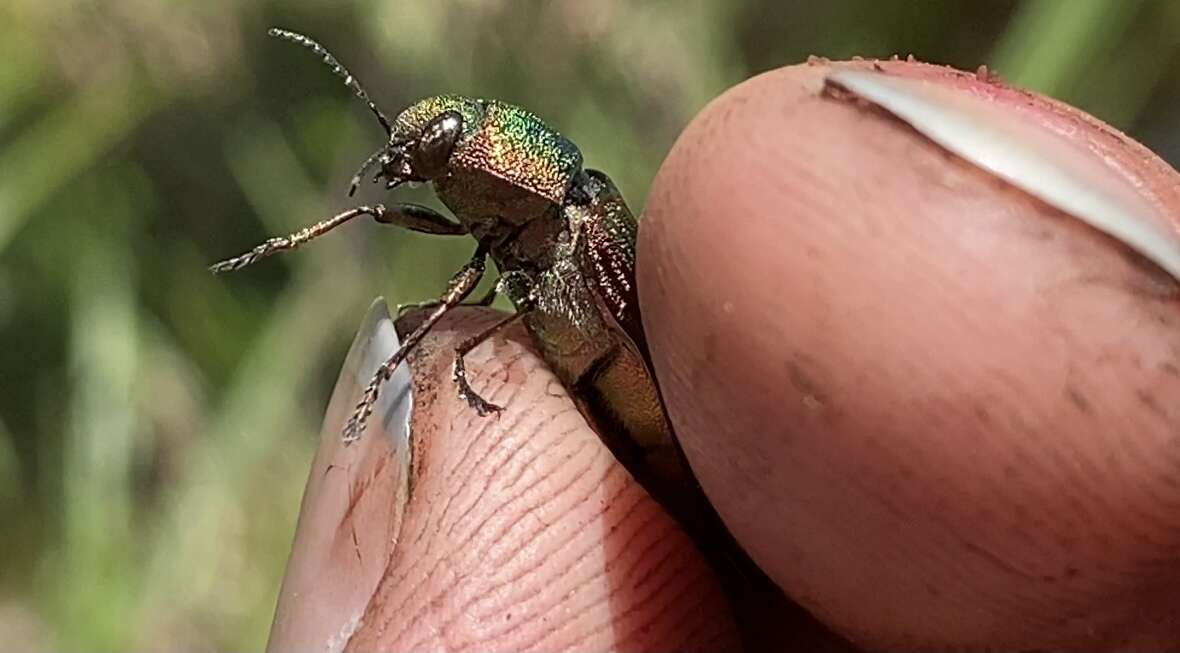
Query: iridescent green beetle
point(563, 241)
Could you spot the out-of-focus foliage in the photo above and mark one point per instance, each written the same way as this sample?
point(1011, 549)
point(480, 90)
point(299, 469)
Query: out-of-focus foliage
point(156, 422)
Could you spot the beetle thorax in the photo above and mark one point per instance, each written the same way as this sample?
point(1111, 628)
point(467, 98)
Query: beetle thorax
point(508, 163)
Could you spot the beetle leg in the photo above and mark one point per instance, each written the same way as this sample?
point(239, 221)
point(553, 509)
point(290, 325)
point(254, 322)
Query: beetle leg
point(486, 300)
point(459, 370)
point(410, 216)
point(416, 217)
point(521, 291)
point(283, 243)
point(460, 286)
point(513, 284)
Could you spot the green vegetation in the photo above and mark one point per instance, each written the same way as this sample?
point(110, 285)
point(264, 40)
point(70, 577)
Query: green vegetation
point(156, 422)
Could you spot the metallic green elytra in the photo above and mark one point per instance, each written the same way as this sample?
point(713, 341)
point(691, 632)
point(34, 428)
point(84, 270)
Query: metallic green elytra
point(563, 241)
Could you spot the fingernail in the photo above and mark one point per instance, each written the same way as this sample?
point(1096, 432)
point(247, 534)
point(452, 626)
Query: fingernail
point(375, 341)
point(1027, 155)
point(353, 503)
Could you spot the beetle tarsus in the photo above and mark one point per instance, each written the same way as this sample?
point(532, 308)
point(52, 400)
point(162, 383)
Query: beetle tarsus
point(261, 251)
point(459, 375)
point(460, 286)
point(352, 430)
point(283, 243)
point(459, 369)
point(355, 426)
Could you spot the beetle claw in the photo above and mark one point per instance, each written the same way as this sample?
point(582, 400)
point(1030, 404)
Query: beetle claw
point(482, 406)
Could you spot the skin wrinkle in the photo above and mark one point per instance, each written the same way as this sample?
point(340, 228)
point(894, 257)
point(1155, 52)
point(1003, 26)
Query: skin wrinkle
point(565, 539)
point(512, 453)
point(1087, 473)
point(521, 470)
point(947, 526)
point(1140, 458)
point(414, 565)
point(390, 615)
point(613, 501)
point(505, 505)
point(545, 505)
point(589, 549)
point(462, 459)
point(552, 630)
point(643, 556)
point(460, 544)
point(638, 530)
point(454, 475)
point(421, 562)
point(1166, 521)
point(490, 481)
point(667, 609)
point(645, 602)
point(554, 547)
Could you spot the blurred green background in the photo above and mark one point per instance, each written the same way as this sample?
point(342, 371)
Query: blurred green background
point(156, 422)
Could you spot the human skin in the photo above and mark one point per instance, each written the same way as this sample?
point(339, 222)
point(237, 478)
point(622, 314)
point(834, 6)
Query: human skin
point(939, 413)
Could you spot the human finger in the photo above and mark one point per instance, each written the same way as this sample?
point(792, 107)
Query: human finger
point(939, 411)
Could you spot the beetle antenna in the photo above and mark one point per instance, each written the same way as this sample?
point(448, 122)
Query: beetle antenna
point(336, 67)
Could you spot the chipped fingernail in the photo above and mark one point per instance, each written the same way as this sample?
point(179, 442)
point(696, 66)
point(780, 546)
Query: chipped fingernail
point(1036, 160)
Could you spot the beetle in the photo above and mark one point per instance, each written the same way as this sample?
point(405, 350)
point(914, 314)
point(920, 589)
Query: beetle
point(563, 241)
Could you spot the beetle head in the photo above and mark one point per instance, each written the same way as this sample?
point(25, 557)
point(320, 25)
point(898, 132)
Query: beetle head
point(414, 155)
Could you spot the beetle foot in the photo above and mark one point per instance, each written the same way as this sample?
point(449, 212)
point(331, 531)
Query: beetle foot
point(355, 426)
point(352, 430)
point(267, 248)
point(459, 376)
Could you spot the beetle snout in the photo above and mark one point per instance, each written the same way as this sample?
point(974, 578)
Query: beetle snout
point(395, 167)
point(392, 164)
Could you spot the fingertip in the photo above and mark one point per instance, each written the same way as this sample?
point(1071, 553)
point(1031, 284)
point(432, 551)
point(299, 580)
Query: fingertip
point(520, 531)
point(878, 358)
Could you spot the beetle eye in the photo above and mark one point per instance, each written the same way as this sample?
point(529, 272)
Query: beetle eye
point(433, 152)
